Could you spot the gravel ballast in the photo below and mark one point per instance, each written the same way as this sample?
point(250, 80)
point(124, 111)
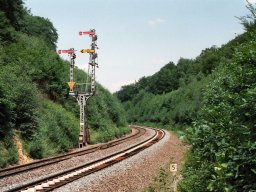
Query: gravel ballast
point(134, 173)
point(9, 182)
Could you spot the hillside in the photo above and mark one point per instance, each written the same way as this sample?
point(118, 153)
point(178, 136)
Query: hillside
point(34, 102)
point(173, 95)
point(210, 102)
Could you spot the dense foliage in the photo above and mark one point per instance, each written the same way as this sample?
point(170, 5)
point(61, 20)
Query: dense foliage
point(224, 134)
point(211, 99)
point(34, 101)
point(173, 95)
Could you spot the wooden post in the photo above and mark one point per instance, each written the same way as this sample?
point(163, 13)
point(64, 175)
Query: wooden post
point(173, 169)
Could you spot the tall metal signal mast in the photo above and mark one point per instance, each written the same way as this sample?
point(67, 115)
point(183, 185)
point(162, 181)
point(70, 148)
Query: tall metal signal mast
point(86, 89)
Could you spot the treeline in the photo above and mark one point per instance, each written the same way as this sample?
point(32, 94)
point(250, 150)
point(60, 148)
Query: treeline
point(34, 101)
point(173, 95)
point(210, 100)
point(223, 135)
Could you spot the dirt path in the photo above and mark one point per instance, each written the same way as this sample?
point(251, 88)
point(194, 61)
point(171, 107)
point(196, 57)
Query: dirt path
point(23, 158)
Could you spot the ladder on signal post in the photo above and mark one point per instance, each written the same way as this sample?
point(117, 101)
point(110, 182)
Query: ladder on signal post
point(82, 96)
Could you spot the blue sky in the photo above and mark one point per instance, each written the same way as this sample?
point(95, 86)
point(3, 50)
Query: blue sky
point(138, 37)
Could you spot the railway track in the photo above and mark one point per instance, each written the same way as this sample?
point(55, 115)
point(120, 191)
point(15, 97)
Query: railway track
point(44, 162)
point(57, 180)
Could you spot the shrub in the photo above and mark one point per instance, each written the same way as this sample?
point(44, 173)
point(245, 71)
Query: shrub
point(223, 137)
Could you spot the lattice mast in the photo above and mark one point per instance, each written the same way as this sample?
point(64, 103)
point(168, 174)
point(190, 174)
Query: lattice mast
point(72, 55)
point(90, 89)
point(83, 95)
point(71, 82)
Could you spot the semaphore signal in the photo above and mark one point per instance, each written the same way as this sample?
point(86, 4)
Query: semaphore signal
point(82, 96)
point(91, 32)
point(66, 51)
point(87, 51)
point(90, 88)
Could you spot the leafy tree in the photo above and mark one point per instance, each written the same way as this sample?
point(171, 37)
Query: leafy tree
point(224, 135)
point(127, 92)
point(143, 83)
point(14, 12)
point(7, 32)
point(249, 21)
point(34, 101)
point(208, 60)
point(222, 132)
point(40, 27)
point(165, 80)
point(5, 112)
point(39, 63)
point(19, 101)
point(186, 69)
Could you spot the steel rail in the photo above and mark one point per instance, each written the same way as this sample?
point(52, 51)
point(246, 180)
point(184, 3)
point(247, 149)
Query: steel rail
point(47, 161)
point(62, 178)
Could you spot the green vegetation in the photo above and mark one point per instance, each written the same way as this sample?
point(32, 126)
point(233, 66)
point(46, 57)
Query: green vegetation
point(210, 100)
point(34, 101)
point(224, 134)
point(57, 131)
point(161, 183)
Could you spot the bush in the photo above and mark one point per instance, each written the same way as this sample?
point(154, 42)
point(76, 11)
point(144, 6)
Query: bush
point(8, 152)
point(31, 75)
point(223, 137)
point(36, 150)
point(108, 134)
point(57, 132)
point(178, 107)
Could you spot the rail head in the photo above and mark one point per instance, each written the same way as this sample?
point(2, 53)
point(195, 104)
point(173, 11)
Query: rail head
point(91, 167)
point(51, 160)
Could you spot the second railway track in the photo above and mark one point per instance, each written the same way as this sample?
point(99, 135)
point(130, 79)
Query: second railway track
point(40, 163)
point(56, 180)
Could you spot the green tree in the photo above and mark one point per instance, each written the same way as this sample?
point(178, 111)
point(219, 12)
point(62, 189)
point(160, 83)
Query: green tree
point(224, 134)
point(127, 92)
point(7, 32)
point(165, 80)
point(19, 102)
point(14, 12)
point(40, 27)
point(249, 21)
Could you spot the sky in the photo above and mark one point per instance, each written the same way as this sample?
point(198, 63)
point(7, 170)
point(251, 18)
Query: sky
point(138, 37)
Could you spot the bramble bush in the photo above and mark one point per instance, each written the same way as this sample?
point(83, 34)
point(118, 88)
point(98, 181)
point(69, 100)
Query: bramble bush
point(223, 138)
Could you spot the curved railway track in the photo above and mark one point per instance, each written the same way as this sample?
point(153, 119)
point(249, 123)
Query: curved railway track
point(40, 163)
point(59, 179)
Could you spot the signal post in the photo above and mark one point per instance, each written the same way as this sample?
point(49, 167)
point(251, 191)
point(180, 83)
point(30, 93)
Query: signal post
point(90, 89)
point(82, 96)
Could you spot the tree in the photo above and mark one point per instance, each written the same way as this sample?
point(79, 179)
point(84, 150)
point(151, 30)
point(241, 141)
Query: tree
point(7, 32)
point(223, 137)
point(249, 21)
point(127, 92)
point(208, 60)
point(166, 80)
point(42, 28)
point(14, 12)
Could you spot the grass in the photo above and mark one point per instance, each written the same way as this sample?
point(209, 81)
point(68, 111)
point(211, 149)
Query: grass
point(99, 136)
point(164, 182)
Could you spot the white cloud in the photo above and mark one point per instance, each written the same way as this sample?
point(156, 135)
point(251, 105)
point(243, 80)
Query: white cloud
point(251, 1)
point(156, 21)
